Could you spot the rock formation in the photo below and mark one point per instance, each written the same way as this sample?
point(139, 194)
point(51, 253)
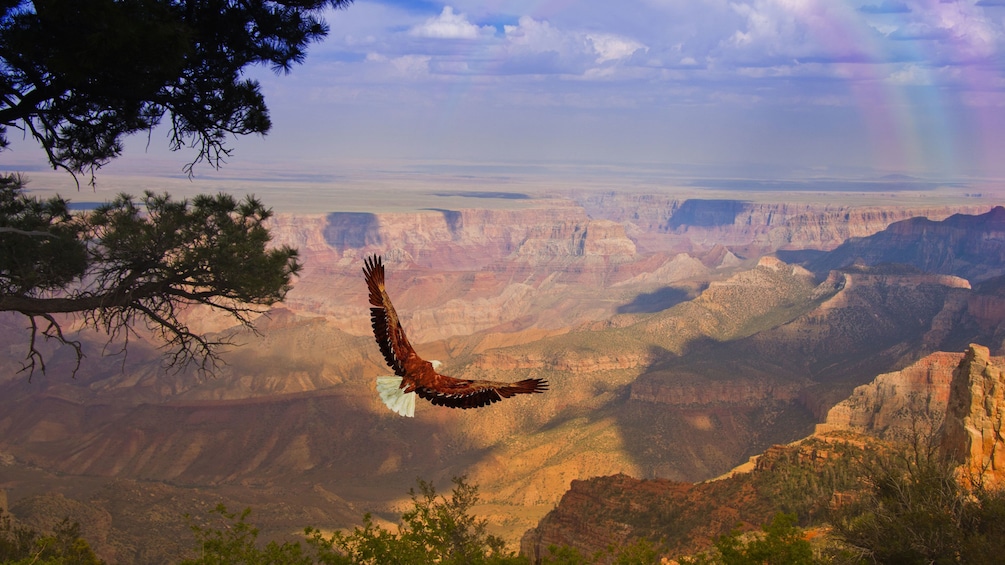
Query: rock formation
point(972, 434)
point(968, 389)
point(969, 246)
point(661, 221)
point(894, 404)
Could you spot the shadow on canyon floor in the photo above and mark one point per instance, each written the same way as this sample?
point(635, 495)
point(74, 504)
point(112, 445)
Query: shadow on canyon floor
point(656, 301)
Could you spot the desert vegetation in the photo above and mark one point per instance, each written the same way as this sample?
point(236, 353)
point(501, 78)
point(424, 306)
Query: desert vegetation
point(877, 503)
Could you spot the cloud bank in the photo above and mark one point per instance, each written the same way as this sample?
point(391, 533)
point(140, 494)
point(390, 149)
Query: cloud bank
point(912, 86)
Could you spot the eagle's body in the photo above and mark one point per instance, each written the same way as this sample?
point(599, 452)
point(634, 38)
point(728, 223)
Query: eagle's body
point(417, 375)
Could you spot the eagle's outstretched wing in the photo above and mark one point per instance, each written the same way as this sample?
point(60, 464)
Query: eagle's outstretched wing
point(386, 327)
point(463, 393)
point(418, 375)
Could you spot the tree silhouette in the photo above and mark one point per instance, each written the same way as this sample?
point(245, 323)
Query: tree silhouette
point(129, 263)
point(79, 76)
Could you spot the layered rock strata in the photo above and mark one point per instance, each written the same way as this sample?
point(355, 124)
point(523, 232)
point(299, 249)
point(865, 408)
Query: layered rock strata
point(972, 434)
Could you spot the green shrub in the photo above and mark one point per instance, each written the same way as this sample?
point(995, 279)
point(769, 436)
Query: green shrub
point(436, 529)
point(21, 545)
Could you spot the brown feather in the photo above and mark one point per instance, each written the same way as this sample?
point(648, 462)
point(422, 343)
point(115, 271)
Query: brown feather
point(418, 374)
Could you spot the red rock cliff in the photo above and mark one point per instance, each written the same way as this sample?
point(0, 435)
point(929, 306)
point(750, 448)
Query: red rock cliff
point(972, 434)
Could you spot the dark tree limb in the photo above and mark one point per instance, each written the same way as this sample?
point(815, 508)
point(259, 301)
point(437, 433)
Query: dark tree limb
point(145, 264)
point(53, 330)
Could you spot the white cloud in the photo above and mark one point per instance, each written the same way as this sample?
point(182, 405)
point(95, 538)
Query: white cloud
point(449, 25)
point(773, 30)
point(534, 35)
point(535, 45)
point(403, 66)
point(611, 47)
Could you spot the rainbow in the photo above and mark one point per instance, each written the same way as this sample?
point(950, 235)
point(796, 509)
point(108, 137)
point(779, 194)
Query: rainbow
point(923, 98)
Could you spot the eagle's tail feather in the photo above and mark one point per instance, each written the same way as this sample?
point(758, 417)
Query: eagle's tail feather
point(400, 402)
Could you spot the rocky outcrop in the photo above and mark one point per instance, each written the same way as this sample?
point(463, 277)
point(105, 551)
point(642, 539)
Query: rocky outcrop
point(614, 510)
point(478, 235)
point(968, 388)
point(891, 404)
point(968, 246)
point(956, 398)
point(972, 434)
point(577, 239)
point(686, 517)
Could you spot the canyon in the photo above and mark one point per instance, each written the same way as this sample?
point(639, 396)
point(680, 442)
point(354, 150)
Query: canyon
point(952, 401)
point(680, 336)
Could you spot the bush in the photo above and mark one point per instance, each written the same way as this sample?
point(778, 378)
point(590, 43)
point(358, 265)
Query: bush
point(915, 511)
point(640, 552)
point(21, 545)
point(780, 543)
point(436, 529)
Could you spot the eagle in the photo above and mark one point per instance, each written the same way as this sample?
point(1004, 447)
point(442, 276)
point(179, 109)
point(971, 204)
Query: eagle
point(416, 376)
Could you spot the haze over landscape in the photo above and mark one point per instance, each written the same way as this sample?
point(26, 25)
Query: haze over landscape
point(716, 229)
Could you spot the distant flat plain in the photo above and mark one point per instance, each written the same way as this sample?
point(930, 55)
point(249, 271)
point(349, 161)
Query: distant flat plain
point(415, 189)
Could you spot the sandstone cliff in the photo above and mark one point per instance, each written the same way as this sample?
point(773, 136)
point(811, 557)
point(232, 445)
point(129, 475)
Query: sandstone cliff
point(684, 518)
point(808, 476)
point(894, 404)
point(972, 434)
point(956, 398)
point(969, 246)
point(756, 227)
point(468, 270)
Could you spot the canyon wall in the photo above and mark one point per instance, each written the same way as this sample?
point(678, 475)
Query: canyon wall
point(955, 399)
point(895, 404)
point(462, 271)
point(758, 227)
point(969, 246)
point(972, 434)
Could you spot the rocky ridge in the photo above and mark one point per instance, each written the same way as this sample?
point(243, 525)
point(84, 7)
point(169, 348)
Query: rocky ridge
point(964, 389)
point(884, 407)
point(969, 246)
point(972, 434)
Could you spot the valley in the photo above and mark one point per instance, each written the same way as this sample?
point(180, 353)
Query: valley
point(681, 336)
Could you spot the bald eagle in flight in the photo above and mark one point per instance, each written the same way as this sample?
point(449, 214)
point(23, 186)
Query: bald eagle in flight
point(416, 376)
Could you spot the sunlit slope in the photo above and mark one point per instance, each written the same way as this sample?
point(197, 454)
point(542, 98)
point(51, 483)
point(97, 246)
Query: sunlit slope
point(768, 295)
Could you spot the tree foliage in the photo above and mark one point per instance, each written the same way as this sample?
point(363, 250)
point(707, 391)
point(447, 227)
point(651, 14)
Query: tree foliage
point(131, 263)
point(915, 510)
point(781, 543)
point(21, 545)
point(79, 76)
point(435, 529)
point(235, 542)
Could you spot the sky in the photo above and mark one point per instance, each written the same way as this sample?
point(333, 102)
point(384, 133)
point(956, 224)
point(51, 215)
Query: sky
point(728, 88)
